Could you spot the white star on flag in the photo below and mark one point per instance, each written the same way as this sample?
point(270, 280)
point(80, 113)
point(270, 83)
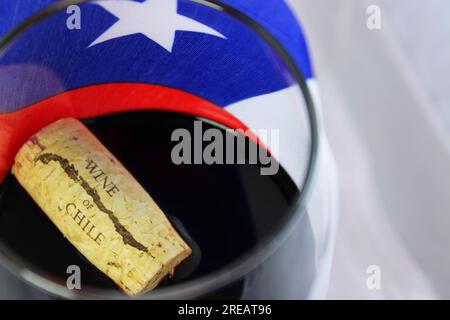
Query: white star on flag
point(158, 20)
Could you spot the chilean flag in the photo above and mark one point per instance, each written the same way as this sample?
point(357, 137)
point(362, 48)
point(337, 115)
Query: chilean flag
point(174, 55)
point(168, 55)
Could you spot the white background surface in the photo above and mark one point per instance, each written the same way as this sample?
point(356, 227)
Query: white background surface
point(387, 113)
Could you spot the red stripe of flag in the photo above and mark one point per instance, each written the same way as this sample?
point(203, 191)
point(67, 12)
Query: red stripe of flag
point(17, 127)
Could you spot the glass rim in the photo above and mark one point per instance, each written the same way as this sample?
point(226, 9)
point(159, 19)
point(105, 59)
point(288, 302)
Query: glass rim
point(238, 268)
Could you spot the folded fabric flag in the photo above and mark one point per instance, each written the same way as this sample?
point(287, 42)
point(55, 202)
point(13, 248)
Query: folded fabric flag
point(155, 54)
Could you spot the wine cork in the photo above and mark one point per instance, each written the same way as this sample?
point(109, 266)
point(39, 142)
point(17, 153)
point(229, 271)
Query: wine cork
point(98, 206)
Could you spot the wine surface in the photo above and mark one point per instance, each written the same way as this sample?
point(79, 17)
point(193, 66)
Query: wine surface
point(222, 211)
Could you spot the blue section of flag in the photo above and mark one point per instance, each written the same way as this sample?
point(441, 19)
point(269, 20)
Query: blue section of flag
point(276, 17)
point(14, 12)
point(223, 71)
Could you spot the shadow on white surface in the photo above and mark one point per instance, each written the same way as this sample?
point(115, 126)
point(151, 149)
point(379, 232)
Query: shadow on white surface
point(391, 151)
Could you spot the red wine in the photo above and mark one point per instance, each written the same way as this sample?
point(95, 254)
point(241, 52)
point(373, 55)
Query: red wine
point(222, 211)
